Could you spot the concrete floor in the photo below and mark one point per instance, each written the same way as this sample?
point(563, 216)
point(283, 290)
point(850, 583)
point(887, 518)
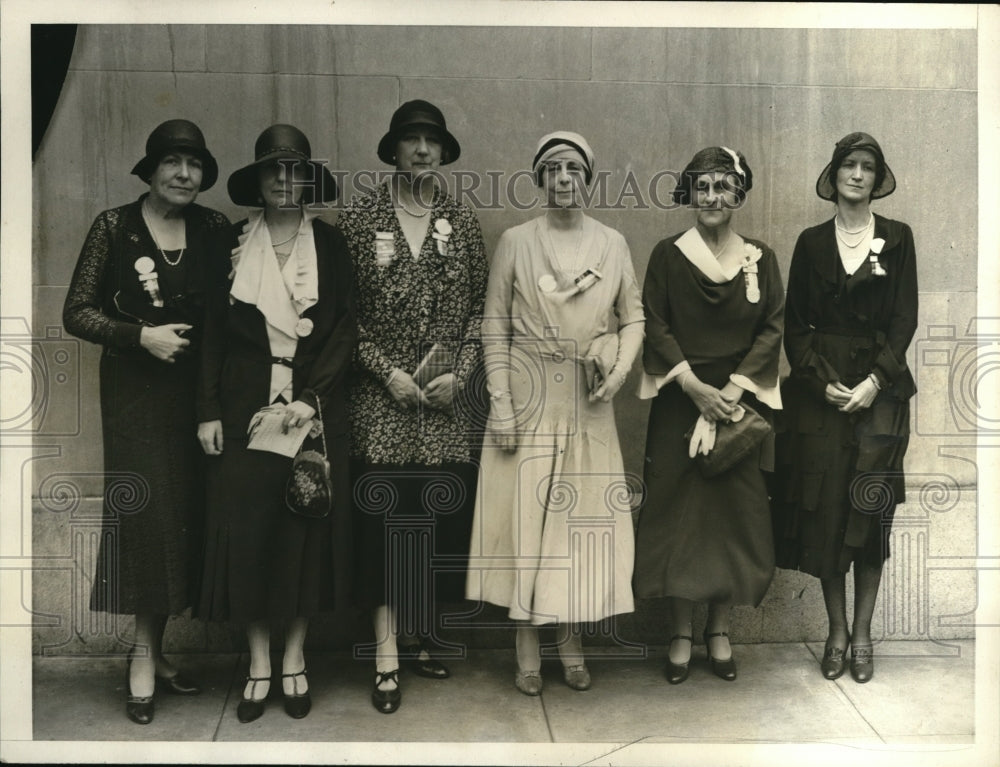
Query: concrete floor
point(779, 697)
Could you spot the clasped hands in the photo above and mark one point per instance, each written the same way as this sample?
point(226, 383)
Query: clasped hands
point(850, 400)
point(713, 405)
point(438, 394)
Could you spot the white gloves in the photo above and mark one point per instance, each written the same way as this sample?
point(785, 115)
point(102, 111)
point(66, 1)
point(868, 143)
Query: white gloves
point(702, 438)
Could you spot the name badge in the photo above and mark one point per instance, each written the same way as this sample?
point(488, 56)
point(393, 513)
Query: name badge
point(586, 280)
point(385, 248)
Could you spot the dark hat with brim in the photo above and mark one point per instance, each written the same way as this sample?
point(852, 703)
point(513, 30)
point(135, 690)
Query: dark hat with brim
point(288, 143)
point(177, 136)
point(414, 113)
point(826, 186)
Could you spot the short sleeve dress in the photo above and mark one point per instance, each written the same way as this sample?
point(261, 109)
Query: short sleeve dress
point(552, 536)
point(707, 539)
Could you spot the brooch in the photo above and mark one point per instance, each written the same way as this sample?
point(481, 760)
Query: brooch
point(751, 255)
point(303, 327)
point(144, 265)
point(442, 233)
point(547, 283)
point(876, 247)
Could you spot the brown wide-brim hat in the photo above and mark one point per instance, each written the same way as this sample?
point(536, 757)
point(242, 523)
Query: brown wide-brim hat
point(177, 136)
point(826, 186)
point(281, 142)
point(417, 112)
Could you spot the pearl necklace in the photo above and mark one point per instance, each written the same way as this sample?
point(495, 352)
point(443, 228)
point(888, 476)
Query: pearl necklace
point(149, 225)
point(402, 206)
point(862, 233)
point(285, 242)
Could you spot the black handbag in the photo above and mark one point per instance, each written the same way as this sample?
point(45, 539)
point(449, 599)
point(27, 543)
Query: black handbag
point(734, 441)
point(309, 490)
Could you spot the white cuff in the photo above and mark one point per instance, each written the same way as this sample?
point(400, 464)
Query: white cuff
point(649, 385)
point(770, 396)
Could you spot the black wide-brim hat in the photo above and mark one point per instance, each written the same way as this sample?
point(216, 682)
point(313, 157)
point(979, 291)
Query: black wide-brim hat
point(417, 112)
point(177, 136)
point(281, 142)
point(826, 186)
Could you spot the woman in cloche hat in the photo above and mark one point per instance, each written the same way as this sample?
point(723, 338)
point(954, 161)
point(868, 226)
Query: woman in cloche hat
point(713, 300)
point(552, 534)
point(139, 291)
point(420, 267)
point(279, 337)
point(850, 316)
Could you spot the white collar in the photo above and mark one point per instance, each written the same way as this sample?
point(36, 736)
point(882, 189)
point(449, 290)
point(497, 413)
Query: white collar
point(718, 269)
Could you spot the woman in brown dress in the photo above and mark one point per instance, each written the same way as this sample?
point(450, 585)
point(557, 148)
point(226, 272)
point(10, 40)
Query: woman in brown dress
point(139, 291)
point(713, 303)
point(850, 317)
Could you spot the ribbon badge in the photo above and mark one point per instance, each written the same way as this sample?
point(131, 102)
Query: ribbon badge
point(145, 266)
point(385, 248)
point(751, 255)
point(442, 233)
point(876, 248)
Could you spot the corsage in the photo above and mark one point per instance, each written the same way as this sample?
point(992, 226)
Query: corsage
point(751, 255)
point(875, 249)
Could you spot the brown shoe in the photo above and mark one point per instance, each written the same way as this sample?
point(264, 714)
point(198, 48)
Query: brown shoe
point(577, 677)
point(528, 682)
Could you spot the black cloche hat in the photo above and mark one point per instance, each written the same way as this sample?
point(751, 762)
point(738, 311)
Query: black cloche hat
point(281, 142)
point(172, 136)
point(417, 112)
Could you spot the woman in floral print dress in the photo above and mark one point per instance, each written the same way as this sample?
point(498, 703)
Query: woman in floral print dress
point(420, 272)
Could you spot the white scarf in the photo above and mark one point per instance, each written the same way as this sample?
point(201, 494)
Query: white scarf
point(281, 295)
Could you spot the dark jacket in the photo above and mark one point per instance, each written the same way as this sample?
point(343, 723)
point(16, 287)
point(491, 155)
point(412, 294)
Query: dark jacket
point(107, 304)
point(840, 328)
point(878, 312)
point(236, 356)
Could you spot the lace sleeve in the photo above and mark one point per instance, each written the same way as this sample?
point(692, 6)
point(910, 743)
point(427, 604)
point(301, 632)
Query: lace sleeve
point(83, 313)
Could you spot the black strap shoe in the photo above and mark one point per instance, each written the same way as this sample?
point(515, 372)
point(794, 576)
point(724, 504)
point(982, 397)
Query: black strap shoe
point(386, 701)
point(252, 708)
point(298, 704)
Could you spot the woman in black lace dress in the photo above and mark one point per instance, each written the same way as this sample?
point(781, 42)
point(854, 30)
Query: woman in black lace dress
point(138, 290)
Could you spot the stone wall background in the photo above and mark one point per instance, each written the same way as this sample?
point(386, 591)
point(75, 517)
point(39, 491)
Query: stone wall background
point(646, 99)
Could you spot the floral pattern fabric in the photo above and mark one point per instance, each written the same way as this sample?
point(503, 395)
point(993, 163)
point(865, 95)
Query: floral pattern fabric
point(405, 306)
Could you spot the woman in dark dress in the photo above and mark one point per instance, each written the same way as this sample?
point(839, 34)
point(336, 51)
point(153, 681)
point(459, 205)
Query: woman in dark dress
point(420, 267)
point(713, 302)
point(850, 317)
point(139, 291)
point(280, 331)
